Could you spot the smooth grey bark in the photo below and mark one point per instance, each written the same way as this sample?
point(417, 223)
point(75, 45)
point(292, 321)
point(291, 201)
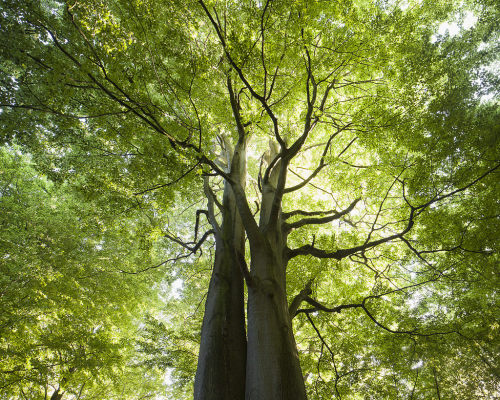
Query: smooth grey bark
point(273, 366)
point(220, 374)
point(266, 367)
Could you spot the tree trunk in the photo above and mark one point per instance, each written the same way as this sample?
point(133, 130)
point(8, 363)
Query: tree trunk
point(221, 362)
point(56, 395)
point(273, 368)
point(220, 374)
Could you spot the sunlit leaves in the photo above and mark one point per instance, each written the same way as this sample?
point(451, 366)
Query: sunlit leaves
point(115, 102)
point(67, 313)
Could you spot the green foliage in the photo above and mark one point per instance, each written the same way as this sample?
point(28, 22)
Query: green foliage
point(68, 315)
point(115, 101)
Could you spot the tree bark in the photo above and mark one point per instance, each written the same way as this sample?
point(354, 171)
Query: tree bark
point(220, 374)
point(273, 366)
point(56, 395)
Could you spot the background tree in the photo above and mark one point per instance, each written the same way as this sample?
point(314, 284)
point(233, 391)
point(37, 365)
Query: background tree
point(68, 322)
point(354, 145)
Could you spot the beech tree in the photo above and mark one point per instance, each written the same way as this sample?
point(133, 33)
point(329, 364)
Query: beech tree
point(340, 158)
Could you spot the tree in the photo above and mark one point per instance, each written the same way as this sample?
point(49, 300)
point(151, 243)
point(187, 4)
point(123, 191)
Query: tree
point(352, 147)
point(67, 322)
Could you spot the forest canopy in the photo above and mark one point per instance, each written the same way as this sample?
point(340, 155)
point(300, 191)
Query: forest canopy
point(255, 199)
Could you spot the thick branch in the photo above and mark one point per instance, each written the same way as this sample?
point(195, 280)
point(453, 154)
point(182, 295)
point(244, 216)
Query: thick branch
point(278, 195)
point(298, 299)
point(192, 249)
point(240, 259)
point(342, 253)
point(236, 108)
point(293, 213)
point(320, 307)
point(211, 200)
point(323, 220)
point(270, 167)
point(197, 221)
point(247, 218)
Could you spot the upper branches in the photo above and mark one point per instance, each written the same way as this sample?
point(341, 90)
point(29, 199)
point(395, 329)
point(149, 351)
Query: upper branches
point(321, 163)
point(414, 211)
point(81, 66)
point(261, 98)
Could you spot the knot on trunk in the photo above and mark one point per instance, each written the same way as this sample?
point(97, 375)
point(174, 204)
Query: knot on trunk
point(267, 286)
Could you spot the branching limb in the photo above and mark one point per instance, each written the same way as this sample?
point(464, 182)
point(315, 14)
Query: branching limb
point(414, 211)
point(412, 332)
point(117, 94)
point(239, 71)
point(320, 307)
point(415, 285)
point(342, 253)
point(347, 147)
point(275, 75)
point(240, 259)
point(211, 200)
point(235, 106)
point(247, 218)
point(192, 249)
point(320, 166)
point(298, 299)
point(270, 167)
point(337, 376)
point(380, 208)
point(262, 51)
point(414, 384)
point(309, 121)
point(287, 154)
point(278, 195)
point(316, 221)
point(436, 383)
point(436, 199)
point(197, 222)
point(170, 260)
point(293, 213)
point(159, 186)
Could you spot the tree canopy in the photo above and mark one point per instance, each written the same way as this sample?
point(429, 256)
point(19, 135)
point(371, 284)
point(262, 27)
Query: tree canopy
point(69, 317)
point(332, 166)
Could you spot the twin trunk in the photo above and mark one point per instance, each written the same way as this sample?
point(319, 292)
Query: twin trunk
point(267, 367)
